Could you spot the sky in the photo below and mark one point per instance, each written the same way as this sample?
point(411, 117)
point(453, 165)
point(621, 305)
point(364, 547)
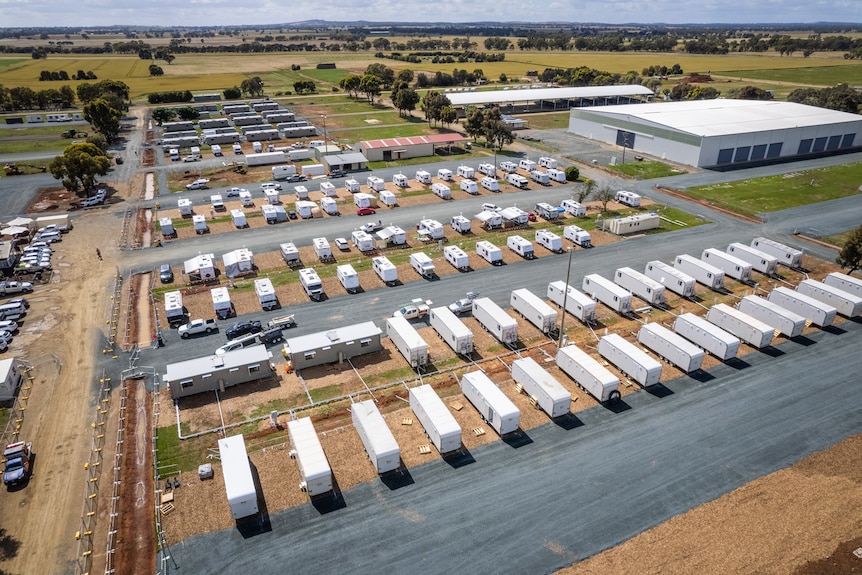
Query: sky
point(40, 13)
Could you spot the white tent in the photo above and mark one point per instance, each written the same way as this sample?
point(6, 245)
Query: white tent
point(20, 221)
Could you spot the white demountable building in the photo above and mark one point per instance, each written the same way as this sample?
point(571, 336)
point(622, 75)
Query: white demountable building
point(10, 378)
point(310, 458)
point(439, 424)
point(238, 479)
point(380, 444)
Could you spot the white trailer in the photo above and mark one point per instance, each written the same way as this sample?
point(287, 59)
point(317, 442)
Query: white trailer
point(466, 172)
point(245, 199)
point(547, 211)
point(322, 249)
point(423, 177)
point(469, 186)
point(632, 224)
point(542, 387)
point(237, 216)
point(588, 373)
point(670, 277)
point(790, 257)
point(361, 200)
point(444, 174)
point(578, 236)
point(328, 189)
point(509, 167)
point(352, 185)
point(348, 277)
point(760, 261)
point(731, 265)
point(628, 198)
point(527, 165)
point(376, 183)
point(630, 360)
point(290, 253)
point(300, 191)
point(540, 177)
point(362, 240)
point(407, 340)
point(167, 226)
point(782, 320)
point(750, 330)
point(299, 154)
point(844, 282)
point(442, 191)
point(310, 170)
point(534, 309)
point(174, 307)
point(671, 347)
point(385, 270)
point(238, 480)
point(546, 162)
point(305, 448)
point(521, 246)
point(221, 302)
point(490, 220)
point(491, 403)
point(265, 292)
point(199, 222)
point(271, 195)
point(489, 252)
point(457, 257)
point(640, 285)
point(494, 319)
point(400, 180)
point(329, 206)
point(489, 184)
point(436, 419)
point(282, 172)
point(608, 293)
point(305, 209)
point(451, 330)
point(488, 170)
point(311, 283)
point(431, 229)
point(264, 158)
point(380, 444)
point(517, 180)
point(702, 272)
point(556, 175)
point(423, 264)
point(710, 337)
point(819, 313)
point(846, 303)
point(574, 208)
point(576, 303)
point(549, 240)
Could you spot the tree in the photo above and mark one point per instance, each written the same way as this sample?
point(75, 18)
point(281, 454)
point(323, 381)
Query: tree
point(384, 74)
point(350, 84)
point(503, 78)
point(145, 54)
point(448, 115)
point(604, 195)
point(405, 75)
point(67, 97)
point(188, 114)
point(370, 85)
point(586, 190)
point(497, 132)
point(572, 174)
point(232, 93)
point(156, 70)
point(78, 167)
point(433, 103)
point(252, 86)
point(162, 115)
point(851, 254)
point(474, 122)
point(405, 100)
point(99, 141)
point(104, 118)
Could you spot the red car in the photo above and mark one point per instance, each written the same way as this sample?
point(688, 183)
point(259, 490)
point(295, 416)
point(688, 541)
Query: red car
point(531, 217)
point(365, 212)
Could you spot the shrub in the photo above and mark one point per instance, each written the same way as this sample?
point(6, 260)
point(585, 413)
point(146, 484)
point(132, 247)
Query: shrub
point(572, 174)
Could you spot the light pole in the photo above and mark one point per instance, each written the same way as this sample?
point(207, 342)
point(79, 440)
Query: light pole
point(324, 127)
point(565, 298)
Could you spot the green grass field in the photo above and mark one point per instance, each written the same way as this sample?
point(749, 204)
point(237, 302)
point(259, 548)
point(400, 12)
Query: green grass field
point(813, 75)
point(645, 170)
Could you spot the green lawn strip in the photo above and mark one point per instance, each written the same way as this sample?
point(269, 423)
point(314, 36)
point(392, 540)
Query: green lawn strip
point(398, 374)
point(29, 167)
point(324, 393)
point(335, 105)
point(546, 120)
point(826, 75)
point(838, 239)
point(328, 75)
point(186, 454)
point(25, 146)
point(646, 170)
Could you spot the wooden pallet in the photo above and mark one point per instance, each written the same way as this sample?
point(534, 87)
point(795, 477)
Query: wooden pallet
point(167, 508)
point(424, 449)
point(457, 405)
point(478, 431)
point(407, 421)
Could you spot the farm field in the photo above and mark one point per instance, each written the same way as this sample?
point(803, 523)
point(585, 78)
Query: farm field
point(824, 75)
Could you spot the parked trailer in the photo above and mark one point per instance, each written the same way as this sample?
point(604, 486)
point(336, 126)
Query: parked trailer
point(221, 302)
point(407, 340)
point(174, 310)
point(630, 360)
point(790, 257)
point(423, 264)
point(760, 261)
point(577, 236)
point(452, 330)
point(489, 183)
point(670, 277)
point(608, 293)
point(264, 158)
point(846, 303)
point(732, 266)
point(385, 270)
point(534, 309)
point(549, 240)
point(466, 172)
point(491, 403)
point(348, 277)
point(469, 186)
point(547, 211)
point(265, 292)
point(521, 246)
point(442, 191)
point(311, 283)
point(783, 320)
point(305, 448)
point(574, 208)
point(702, 272)
point(588, 373)
point(540, 177)
point(556, 175)
point(238, 480)
point(457, 257)
point(710, 337)
point(489, 252)
point(238, 218)
point(423, 177)
point(494, 319)
point(628, 198)
point(290, 253)
point(818, 313)
point(362, 240)
point(380, 444)
point(509, 167)
point(750, 330)
point(576, 303)
point(440, 426)
point(671, 347)
point(550, 396)
point(640, 285)
point(444, 174)
point(844, 282)
point(322, 249)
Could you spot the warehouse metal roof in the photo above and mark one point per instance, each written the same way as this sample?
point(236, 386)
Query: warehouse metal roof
point(535, 94)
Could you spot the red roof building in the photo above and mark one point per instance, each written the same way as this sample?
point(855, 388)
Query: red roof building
point(412, 147)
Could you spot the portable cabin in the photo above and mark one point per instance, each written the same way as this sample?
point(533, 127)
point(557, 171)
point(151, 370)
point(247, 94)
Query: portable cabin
point(782, 320)
point(578, 236)
point(385, 270)
point(322, 249)
point(588, 373)
point(380, 444)
point(199, 222)
point(376, 183)
point(786, 255)
point(451, 330)
point(846, 303)
point(442, 191)
point(221, 302)
point(407, 340)
point(438, 422)
point(329, 206)
point(388, 198)
point(671, 347)
point(491, 403)
point(633, 224)
point(185, 206)
point(306, 449)
point(534, 309)
point(630, 360)
point(237, 216)
point(702, 272)
point(174, 310)
point(290, 253)
point(351, 185)
point(818, 313)
point(469, 186)
point(457, 257)
point(328, 189)
point(423, 177)
point(494, 319)
point(731, 265)
point(362, 240)
point(844, 282)
point(574, 208)
point(670, 277)
point(542, 387)
point(167, 227)
point(521, 246)
point(607, 292)
point(489, 252)
point(238, 480)
point(348, 278)
point(400, 180)
point(750, 330)
point(709, 336)
point(305, 209)
point(576, 303)
point(466, 172)
point(444, 174)
point(640, 285)
point(265, 293)
point(759, 260)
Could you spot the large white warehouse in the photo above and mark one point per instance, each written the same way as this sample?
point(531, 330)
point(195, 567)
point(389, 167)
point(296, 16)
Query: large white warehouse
point(721, 133)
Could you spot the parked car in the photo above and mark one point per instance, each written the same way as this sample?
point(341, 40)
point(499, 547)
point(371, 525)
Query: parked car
point(531, 216)
point(371, 227)
point(190, 159)
point(336, 173)
point(242, 328)
point(296, 178)
point(464, 305)
point(8, 325)
point(166, 274)
point(234, 192)
point(342, 244)
point(199, 184)
point(491, 207)
point(22, 300)
point(366, 212)
point(291, 214)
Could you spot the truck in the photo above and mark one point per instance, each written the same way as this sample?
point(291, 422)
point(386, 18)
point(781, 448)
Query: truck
point(416, 309)
point(313, 466)
point(671, 347)
point(588, 373)
point(10, 288)
point(380, 444)
point(460, 224)
point(702, 272)
point(671, 278)
point(492, 404)
point(608, 293)
point(759, 260)
point(731, 265)
point(282, 322)
point(385, 270)
point(576, 303)
point(706, 335)
point(407, 340)
point(628, 198)
point(818, 313)
point(174, 307)
point(442, 191)
point(440, 426)
point(547, 211)
point(469, 186)
point(844, 282)
point(348, 277)
point(782, 320)
point(630, 360)
point(451, 330)
point(311, 283)
point(197, 326)
point(199, 184)
point(549, 240)
point(489, 252)
point(19, 463)
point(750, 330)
point(578, 236)
point(640, 285)
point(534, 309)
point(494, 319)
point(423, 265)
point(521, 246)
point(786, 255)
point(238, 480)
point(265, 292)
point(542, 387)
point(517, 180)
point(846, 303)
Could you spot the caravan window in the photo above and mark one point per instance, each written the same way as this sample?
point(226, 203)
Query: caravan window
point(233, 370)
point(206, 376)
point(186, 383)
point(254, 368)
point(310, 354)
point(364, 342)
